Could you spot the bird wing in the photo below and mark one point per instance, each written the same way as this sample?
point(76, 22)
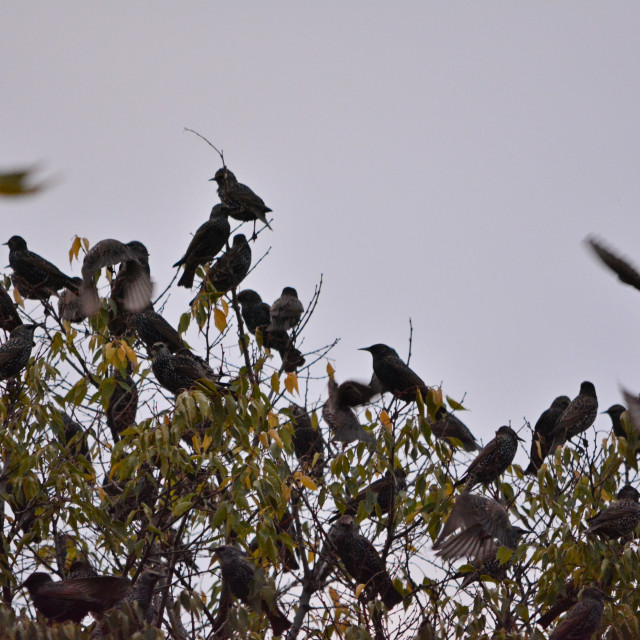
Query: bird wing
point(613, 513)
point(246, 197)
point(625, 271)
point(106, 253)
point(137, 285)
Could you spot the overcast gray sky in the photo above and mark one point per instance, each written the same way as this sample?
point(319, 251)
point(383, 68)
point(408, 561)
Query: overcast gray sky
point(438, 161)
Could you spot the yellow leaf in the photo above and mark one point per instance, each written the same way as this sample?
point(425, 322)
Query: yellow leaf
point(291, 382)
point(18, 183)
point(131, 354)
point(275, 382)
point(18, 298)
point(206, 443)
point(122, 354)
point(386, 420)
point(360, 589)
point(264, 439)
point(308, 482)
point(108, 352)
point(75, 248)
point(311, 557)
point(219, 319)
point(456, 406)
point(274, 434)
point(272, 420)
point(330, 370)
point(334, 595)
point(225, 306)
point(286, 492)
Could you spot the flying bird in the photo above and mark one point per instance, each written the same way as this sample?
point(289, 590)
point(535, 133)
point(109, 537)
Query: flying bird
point(626, 273)
point(134, 278)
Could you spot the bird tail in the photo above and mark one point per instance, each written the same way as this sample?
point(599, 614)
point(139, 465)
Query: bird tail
point(390, 595)
point(278, 621)
point(187, 277)
point(89, 302)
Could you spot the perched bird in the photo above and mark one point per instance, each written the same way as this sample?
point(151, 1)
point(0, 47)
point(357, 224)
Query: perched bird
point(142, 594)
point(362, 562)
point(394, 375)
point(16, 351)
point(342, 420)
point(448, 425)
point(123, 405)
point(9, 318)
point(231, 268)
point(257, 316)
point(542, 439)
point(283, 525)
point(133, 279)
point(493, 460)
point(482, 521)
point(151, 327)
point(34, 277)
point(307, 441)
point(255, 312)
point(577, 417)
point(583, 619)
point(205, 245)
point(625, 272)
point(130, 494)
point(620, 518)
point(69, 303)
point(615, 412)
point(242, 203)
point(82, 569)
point(178, 372)
point(239, 576)
point(286, 311)
point(384, 491)
point(74, 598)
point(76, 435)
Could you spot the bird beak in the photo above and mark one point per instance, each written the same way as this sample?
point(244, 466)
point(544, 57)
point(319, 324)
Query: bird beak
point(521, 439)
point(211, 180)
point(364, 349)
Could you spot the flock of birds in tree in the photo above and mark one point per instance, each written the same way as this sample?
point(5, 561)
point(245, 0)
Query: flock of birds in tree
point(477, 525)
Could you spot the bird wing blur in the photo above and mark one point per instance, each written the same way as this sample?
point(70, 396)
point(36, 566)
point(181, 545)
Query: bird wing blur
point(623, 269)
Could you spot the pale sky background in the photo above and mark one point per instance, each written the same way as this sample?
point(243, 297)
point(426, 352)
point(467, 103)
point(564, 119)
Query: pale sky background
point(438, 161)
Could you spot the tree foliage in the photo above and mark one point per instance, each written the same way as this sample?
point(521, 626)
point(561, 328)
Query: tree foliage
point(217, 466)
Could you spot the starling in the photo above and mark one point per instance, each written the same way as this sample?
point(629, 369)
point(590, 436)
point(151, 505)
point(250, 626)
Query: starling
point(122, 406)
point(82, 569)
point(488, 564)
point(626, 273)
point(394, 375)
point(151, 327)
point(239, 575)
point(33, 276)
point(615, 412)
point(69, 304)
point(76, 435)
point(9, 318)
point(142, 594)
point(577, 417)
point(362, 562)
point(483, 521)
point(342, 420)
point(231, 268)
point(352, 393)
point(15, 352)
point(583, 619)
point(74, 598)
point(242, 203)
point(384, 491)
point(205, 245)
point(178, 372)
point(133, 278)
point(286, 311)
point(542, 439)
point(447, 425)
point(255, 313)
point(307, 441)
point(285, 525)
point(567, 598)
point(493, 459)
point(619, 519)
